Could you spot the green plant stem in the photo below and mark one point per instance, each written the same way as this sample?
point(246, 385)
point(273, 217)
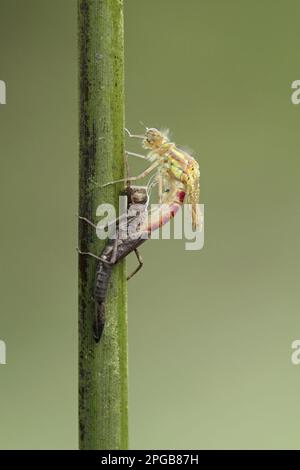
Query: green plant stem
point(103, 404)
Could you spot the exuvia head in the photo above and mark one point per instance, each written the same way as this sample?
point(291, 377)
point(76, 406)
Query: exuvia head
point(153, 138)
point(139, 195)
point(135, 195)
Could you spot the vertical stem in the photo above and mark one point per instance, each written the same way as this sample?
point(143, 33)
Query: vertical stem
point(103, 366)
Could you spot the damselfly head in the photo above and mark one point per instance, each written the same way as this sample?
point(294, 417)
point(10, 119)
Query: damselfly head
point(153, 138)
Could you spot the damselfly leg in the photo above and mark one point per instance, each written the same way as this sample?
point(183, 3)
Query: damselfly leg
point(88, 253)
point(100, 258)
point(134, 178)
point(135, 136)
point(133, 154)
point(87, 221)
point(139, 266)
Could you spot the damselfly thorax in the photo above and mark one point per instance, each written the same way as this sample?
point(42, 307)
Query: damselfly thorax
point(177, 164)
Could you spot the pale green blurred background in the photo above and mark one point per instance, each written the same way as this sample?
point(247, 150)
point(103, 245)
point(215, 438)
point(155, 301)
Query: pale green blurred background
point(210, 332)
